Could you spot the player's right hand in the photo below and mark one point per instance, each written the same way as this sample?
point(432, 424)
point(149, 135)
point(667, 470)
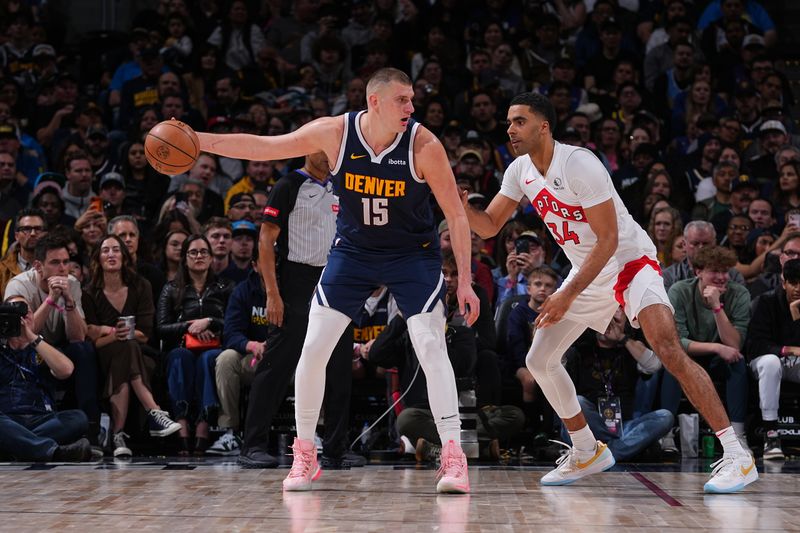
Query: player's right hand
point(275, 310)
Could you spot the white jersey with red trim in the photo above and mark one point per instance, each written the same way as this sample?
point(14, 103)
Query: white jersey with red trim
point(575, 181)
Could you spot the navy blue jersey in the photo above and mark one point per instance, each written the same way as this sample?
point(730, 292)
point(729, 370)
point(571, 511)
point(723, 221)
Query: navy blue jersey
point(383, 204)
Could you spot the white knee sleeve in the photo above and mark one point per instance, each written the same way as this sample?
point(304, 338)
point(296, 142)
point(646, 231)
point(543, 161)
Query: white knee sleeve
point(325, 327)
point(427, 332)
point(544, 362)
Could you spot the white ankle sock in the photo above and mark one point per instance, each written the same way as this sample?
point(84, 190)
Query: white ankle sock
point(583, 440)
point(730, 443)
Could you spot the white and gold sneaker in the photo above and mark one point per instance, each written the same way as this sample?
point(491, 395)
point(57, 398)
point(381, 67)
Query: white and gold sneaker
point(732, 473)
point(569, 469)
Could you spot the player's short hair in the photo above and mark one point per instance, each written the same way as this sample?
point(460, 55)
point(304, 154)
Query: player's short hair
point(715, 258)
point(539, 104)
point(384, 76)
point(542, 271)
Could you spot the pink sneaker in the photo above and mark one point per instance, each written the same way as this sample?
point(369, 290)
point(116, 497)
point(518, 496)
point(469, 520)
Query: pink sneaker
point(453, 475)
point(305, 468)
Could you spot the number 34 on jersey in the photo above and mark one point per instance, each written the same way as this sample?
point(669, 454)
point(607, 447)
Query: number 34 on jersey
point(545, 204)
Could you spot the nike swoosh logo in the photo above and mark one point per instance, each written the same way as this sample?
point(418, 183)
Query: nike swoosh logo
point(747, 470)
point(528, 182)
point(354, 156)
point(600, 449)
point(451, 416)
point(425, 245)
point(312, 195)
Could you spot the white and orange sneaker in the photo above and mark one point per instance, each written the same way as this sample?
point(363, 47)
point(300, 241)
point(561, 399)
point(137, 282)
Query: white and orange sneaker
point(305, 468)
point(453, 475)
point(569, 469)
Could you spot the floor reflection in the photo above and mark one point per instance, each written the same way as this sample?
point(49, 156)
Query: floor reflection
point(303, 508)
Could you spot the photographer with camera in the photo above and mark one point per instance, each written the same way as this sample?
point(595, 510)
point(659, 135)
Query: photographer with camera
point(55, 298)
point(30, 428)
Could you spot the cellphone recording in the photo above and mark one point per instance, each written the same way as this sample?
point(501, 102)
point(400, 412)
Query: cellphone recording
point(794, 218)
point(522, 246)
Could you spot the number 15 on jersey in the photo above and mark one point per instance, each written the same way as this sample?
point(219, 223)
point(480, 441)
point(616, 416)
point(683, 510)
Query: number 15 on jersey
point(376, 211)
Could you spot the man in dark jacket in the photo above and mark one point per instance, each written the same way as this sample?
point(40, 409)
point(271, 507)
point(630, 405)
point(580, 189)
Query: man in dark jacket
point(773, 345)
point(243, 336)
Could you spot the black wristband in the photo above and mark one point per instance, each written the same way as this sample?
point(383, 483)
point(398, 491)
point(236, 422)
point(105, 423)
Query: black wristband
point(35, 342)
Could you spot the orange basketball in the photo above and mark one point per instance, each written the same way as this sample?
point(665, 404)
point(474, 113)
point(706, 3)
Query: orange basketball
point(171, 147)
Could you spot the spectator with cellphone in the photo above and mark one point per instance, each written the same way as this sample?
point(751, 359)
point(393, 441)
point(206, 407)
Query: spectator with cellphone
point(528, 254)
point(31, 428)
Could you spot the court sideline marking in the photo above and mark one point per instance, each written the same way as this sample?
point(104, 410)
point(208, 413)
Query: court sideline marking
point(658, 491)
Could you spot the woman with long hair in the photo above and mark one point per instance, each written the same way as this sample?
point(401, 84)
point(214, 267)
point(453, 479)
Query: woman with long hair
point(171, 259)
point(787, 194)
point(665, 226)
point(238, 37)
point(697, 100)
point(116, 291)
point(92, 226)
point(190, 321)
point(170, 220)
point(146, 118)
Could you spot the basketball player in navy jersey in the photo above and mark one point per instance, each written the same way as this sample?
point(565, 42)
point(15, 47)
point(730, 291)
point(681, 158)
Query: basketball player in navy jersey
point(385, 165)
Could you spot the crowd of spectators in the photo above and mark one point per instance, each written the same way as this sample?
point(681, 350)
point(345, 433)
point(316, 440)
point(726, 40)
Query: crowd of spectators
point(684, 102)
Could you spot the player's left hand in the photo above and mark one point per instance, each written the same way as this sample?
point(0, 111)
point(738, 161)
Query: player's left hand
point(468, 298)
point(553, 309)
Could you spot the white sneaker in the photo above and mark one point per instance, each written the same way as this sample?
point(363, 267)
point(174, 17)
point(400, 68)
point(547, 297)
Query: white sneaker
point(120, 447)
point(570, 469)
point(227, 444)
point(732, 473)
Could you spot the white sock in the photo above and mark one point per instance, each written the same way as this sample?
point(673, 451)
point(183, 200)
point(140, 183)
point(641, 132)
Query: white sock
point(730, 443)
point(583, 440)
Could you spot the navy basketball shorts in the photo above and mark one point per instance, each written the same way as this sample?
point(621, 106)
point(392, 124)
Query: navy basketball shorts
point(352, 274)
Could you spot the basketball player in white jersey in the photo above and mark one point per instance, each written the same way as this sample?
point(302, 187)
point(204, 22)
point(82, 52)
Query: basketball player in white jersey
point(613, 262)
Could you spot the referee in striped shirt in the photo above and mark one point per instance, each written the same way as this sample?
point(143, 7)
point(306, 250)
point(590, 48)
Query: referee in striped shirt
point(298, 227)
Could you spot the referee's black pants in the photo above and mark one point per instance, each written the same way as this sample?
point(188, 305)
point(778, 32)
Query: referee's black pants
point(275, 371)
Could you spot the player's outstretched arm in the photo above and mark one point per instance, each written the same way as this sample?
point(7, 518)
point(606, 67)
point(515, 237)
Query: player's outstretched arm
point(488, 223)
point(322, 134)
point(432, 165)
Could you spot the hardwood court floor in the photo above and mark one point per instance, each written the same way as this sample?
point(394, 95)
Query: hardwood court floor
point(216, 495)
